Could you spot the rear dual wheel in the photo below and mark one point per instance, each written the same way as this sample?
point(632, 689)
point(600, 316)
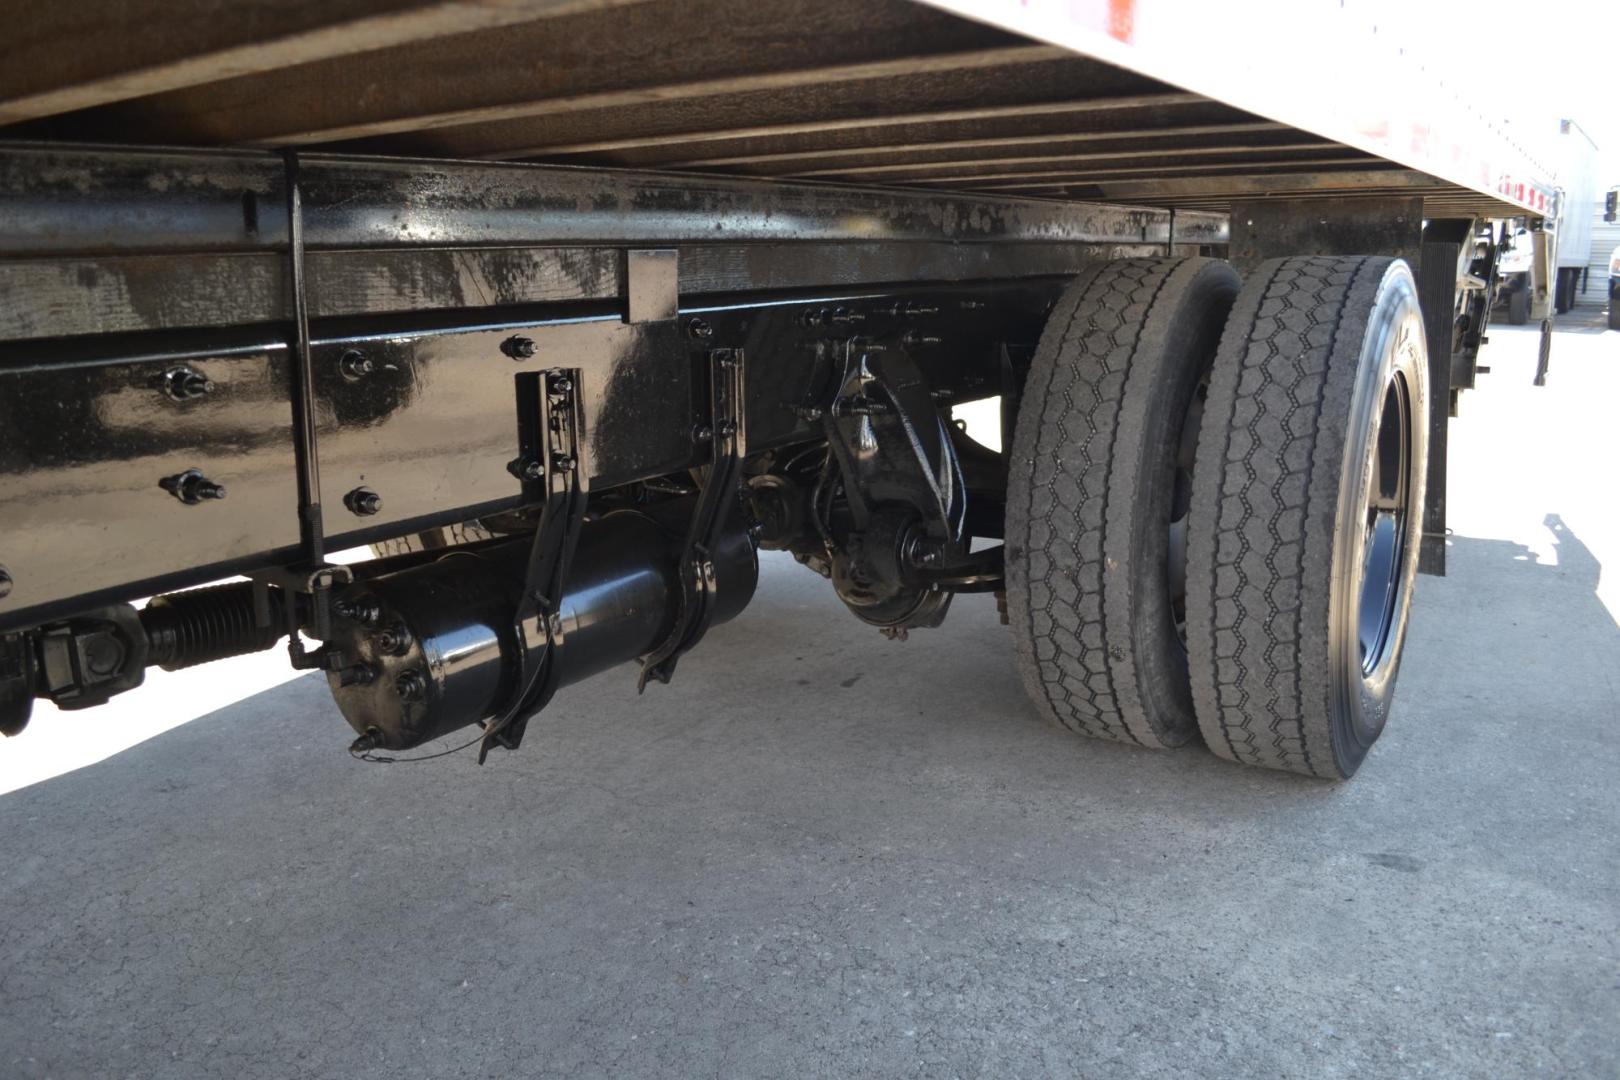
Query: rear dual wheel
point(1098, 492)
point(1222, 540)
point(1307, 514)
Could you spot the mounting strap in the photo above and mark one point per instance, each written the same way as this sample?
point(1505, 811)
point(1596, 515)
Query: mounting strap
point(551, 465)
point(699, 589)
point(306, 459)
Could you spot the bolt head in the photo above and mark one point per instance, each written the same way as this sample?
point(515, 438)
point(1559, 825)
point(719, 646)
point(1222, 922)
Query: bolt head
point(410, 686)
point(103, 654)
point(518, 347)
point(183, 383)
point(394, 639)
point(363, 502)
point(355, 365)
point(357, 675)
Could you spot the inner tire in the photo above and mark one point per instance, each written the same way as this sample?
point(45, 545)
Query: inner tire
point(1102, 433)
point(1307, 513)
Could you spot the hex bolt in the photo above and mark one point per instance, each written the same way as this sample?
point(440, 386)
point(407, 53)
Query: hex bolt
point(728, 428)
point(5, 583)
point(700, 330)
point(355, 365)
point(562, 384)
point(357, 675)
point(562, 463)
point(363, 502)
point(192, 487)
point(702, 433)
point(102, 653)
point(394, 639)
point(525, 469)
point(364, 610)
point(410, 686)
point(184, 382)
point(518, 347)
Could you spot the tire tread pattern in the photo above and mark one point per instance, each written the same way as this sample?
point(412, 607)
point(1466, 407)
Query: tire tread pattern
point(1073, 658)
point(1265, 499)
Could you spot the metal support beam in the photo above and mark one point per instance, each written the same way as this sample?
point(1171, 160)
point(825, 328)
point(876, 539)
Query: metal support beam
point(72, 200)
point(1276, 228)
point(1446, 247)
point(109, 52)
point(972, 169)
point(838, 125)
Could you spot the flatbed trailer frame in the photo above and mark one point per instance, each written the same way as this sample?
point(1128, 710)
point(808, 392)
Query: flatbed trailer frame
point(252, 257)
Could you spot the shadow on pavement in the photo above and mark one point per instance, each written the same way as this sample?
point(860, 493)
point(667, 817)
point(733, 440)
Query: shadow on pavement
point(820, 852)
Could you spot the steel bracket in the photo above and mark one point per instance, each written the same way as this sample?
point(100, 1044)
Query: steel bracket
point(551, 465)
point(650, 284)
point(716, 503)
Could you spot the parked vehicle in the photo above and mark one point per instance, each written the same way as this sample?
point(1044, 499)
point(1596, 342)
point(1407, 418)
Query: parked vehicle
point(1551, 252)
point(567, 309)
point(1515, 272)
point(1578, 197)
point(1614, 289)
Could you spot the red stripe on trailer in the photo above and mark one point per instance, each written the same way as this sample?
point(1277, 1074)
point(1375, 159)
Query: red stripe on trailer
point(1122, 20)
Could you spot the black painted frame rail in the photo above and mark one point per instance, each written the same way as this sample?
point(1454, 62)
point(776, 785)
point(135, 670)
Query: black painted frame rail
point(71, 199)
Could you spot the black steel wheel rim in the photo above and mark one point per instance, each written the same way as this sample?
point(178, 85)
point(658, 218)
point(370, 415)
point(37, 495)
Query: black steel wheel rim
point(1386, 519)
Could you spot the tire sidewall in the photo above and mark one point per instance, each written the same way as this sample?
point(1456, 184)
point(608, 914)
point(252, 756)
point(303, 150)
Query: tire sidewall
point(1191, 330)
point(1393, 342)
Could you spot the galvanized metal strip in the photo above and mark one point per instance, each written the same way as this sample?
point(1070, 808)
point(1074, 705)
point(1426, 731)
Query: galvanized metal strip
point(59, 200)
point(67, 297)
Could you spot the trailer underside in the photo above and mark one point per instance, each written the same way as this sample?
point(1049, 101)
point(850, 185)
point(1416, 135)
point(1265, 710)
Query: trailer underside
point(884, 93)
point(606, 295)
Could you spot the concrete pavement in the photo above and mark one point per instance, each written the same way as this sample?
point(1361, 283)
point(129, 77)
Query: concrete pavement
point(820, 853)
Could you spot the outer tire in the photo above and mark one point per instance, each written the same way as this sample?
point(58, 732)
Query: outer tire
point(1091, 486)
point(1296, 482)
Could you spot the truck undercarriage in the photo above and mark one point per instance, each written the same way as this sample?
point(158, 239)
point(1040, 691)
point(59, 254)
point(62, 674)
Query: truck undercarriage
point(566, 405)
